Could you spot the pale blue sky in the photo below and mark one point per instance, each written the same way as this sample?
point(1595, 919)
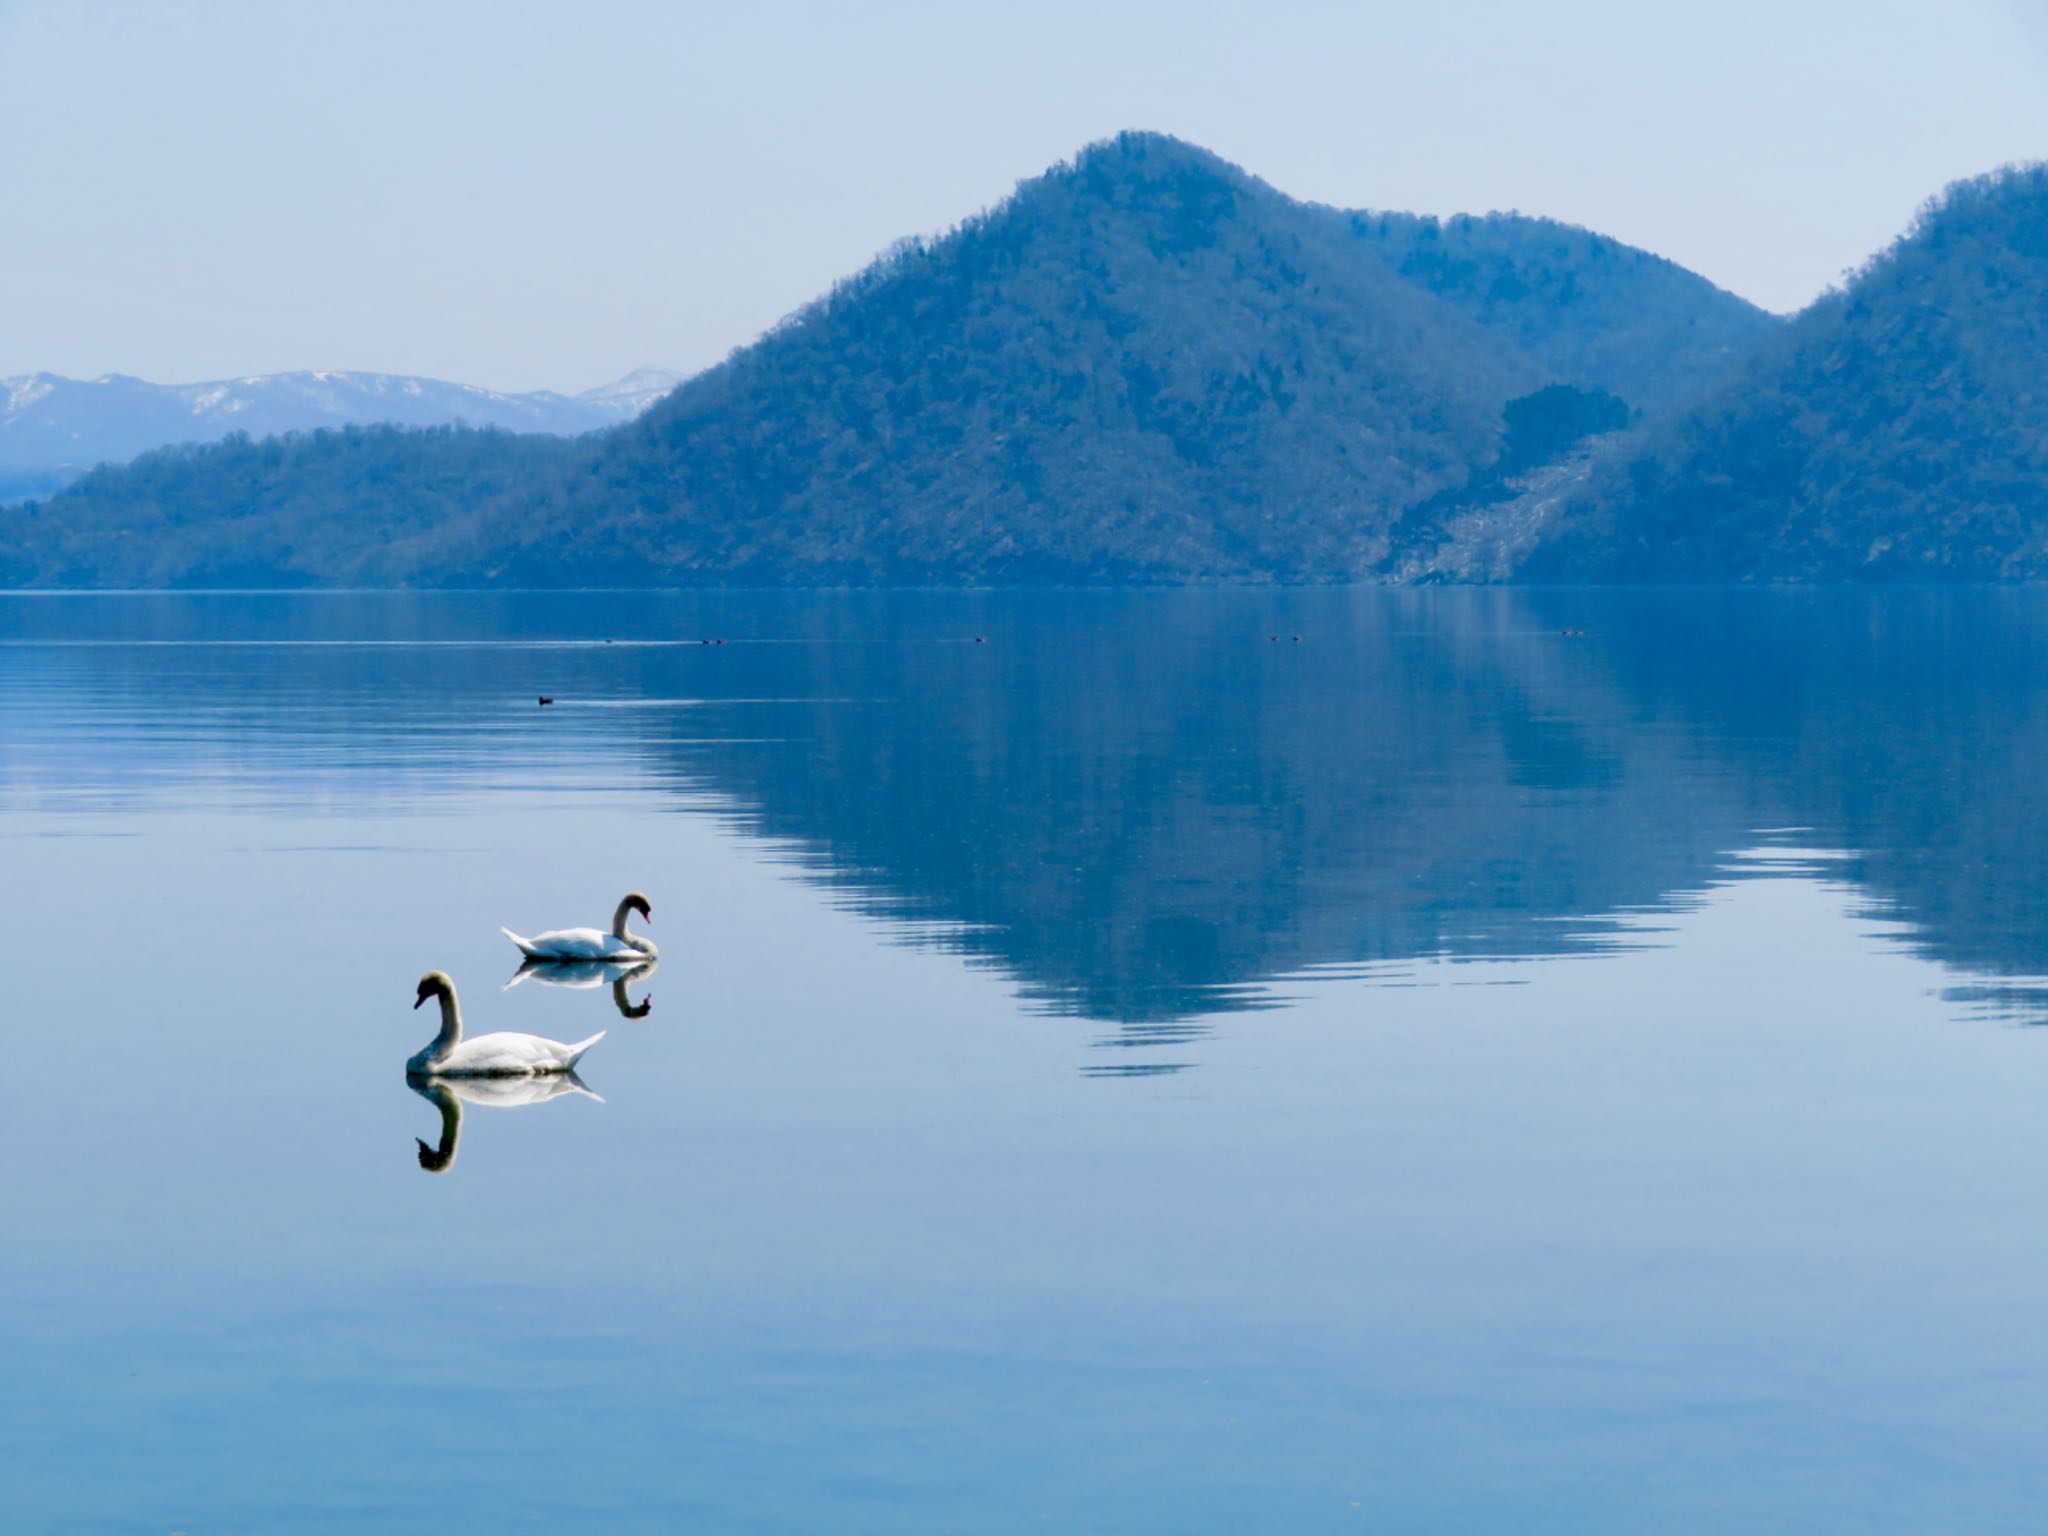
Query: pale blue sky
point(547, 195)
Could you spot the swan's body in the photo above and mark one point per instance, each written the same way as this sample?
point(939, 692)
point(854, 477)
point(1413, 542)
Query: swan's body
point(450, 1095)
point(592, 943)
point(500, 1055)
point(576, 945)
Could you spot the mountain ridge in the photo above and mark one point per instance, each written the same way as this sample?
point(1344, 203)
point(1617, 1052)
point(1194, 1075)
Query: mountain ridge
point(1137, 360)
point(54, 428)
point(1146, 364)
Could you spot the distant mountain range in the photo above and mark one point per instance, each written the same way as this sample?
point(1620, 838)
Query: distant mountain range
point(54, 429)
point(1147, 365)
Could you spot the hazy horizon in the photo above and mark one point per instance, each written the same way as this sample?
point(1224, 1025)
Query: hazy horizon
point(506, 197)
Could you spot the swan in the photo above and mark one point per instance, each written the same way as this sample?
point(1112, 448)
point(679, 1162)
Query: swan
point(582, 975)
point(450, 1094)
point(588, 943)
point(503, 1055)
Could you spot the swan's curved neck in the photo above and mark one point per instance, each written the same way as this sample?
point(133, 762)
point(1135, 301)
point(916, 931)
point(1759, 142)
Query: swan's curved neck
point(438, 1158)
point(451, 1026)
point(619, 919)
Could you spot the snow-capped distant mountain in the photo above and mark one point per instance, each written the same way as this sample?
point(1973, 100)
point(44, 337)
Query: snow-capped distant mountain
point(635, 392)
point(53, 429)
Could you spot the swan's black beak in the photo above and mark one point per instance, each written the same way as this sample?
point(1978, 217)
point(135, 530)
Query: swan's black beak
point(417, 1001)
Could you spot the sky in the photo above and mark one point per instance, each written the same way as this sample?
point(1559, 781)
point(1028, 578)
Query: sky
point(545, 196)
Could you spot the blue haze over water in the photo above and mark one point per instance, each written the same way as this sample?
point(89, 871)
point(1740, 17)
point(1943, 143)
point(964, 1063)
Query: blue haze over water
point(1544, 1060)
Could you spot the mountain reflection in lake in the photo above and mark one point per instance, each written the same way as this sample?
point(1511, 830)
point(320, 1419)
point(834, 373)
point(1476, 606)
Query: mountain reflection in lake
point(1142, 807)
point(1128, 1060)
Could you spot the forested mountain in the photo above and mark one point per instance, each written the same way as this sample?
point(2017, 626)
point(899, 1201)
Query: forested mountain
point(285, 511)
point(53, 429)
point(1595, 312)
point(1898, 429)
point(1145, 365)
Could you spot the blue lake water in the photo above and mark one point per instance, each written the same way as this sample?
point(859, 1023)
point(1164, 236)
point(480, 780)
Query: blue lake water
point(1553, 1061)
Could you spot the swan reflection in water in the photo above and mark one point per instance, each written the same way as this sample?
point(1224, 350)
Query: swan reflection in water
point(584, 975)
point(449, 1094)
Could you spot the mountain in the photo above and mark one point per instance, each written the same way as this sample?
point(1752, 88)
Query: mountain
point(1896, 430)
point(1145, 365)
point(53, 429)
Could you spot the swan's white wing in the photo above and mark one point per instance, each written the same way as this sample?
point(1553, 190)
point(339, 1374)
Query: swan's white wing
point(576, 944)
point(504, 1055)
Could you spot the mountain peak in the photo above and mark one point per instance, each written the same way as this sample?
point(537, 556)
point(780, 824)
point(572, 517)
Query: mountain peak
point(1144, 171)
point(2006, 208)
point(2019, 187)
point(1144, 148)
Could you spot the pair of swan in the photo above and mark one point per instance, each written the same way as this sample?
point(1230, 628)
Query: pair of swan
point(516, 1055)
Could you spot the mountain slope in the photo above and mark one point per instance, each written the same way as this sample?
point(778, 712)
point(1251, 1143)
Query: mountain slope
point(1896, 430)
point(53, 429)
point(1596, 312)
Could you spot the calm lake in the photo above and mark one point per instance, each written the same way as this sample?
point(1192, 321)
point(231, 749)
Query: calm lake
point(1545, 1061)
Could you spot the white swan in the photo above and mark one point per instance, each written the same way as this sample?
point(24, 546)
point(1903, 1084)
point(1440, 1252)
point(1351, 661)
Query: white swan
point(504, 1055)
point(589, 943)
point(449, 1095)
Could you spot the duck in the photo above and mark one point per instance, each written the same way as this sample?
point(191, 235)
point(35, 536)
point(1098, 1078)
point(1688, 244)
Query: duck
point(589, 943)
point(501, 1055)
